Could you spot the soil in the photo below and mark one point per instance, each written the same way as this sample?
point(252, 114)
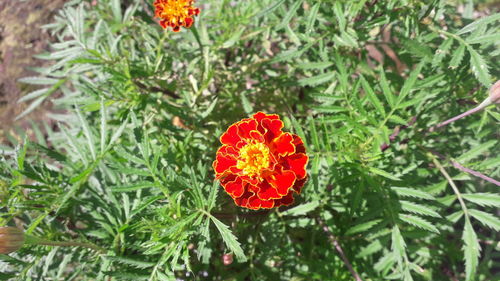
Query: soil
point(21, 37)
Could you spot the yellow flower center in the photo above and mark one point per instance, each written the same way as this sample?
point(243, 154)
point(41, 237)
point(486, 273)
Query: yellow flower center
point(253, 158)
point(176, 9)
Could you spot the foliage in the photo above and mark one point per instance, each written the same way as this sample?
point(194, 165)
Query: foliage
point(124, 161)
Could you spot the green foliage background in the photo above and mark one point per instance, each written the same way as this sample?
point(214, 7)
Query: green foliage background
point(125, 161)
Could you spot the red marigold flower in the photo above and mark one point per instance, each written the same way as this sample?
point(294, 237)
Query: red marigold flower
point(259, 165)
point(175, 13)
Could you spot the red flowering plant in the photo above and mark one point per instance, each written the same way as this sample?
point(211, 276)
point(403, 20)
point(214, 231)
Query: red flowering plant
point(175, 13)
point(259, 165)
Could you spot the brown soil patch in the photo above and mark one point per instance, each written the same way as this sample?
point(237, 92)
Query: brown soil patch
point(21, 37)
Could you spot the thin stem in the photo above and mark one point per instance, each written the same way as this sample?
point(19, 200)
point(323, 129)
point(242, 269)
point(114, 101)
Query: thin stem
point(337, 246)
point(73, 244)
point(450, 181)
point(40, 241)
point(484, 104)
point(474, 173)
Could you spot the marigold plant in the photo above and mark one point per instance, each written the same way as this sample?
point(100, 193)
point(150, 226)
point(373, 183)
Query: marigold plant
point(108, 155)
point(175, 13)
point(259, 165)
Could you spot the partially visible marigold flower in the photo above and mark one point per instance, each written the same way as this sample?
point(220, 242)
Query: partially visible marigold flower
point(175, 13)
point(259, 165)
point(11, 239)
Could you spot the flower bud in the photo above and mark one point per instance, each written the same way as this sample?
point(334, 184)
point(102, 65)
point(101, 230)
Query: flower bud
point(11, 239)
point(495, 92)
point(227, 259)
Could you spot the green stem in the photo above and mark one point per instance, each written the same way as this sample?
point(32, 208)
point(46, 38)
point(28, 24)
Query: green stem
point(33, 240)
point(450, 181)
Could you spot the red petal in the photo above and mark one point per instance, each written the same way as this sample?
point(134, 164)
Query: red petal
point(188, 22)
point(285, 200)
point(226, 149)
point(227, 179)
point(297, 187)
point(272, 129)
point(243, 200)
point(176, 28)
point(267, 204)
point(254, 203)
point(256, 135)
point(299, 144)
point(245, 127)
point(261, 115)
point(250, 180)
point(267, 191)
point(223, 162)
point(163, 23)
point(296, 163)
point(235, 188)
point(282, 181)
point(283, 145)
point(231, 137)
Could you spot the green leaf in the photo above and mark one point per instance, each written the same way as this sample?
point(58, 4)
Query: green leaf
point(372, 97)
point(132, 187)
point(144, 204)
point(417, 49)
point(471, 251)
point(410, 82)
point(476, 151)
point(372, 248)
point(291, 54)
point(314, 135)
point(117, 10)
point(301, 209)
point(339, 14)
point(87, 132)
point(457, 57)
point(103, 126)
point(479, 67)
point(315, 65)
point(486, 219)
point(383, 173)
point(246, 104)
point(318, 79)
point(362, 227)
point(418, 209)
point(389, 97)
point(286, 19)
point(326, 97)
point(117, 133)
point(398, 245)
point(442, 51)
point(38, 80)
point(479, 23)
point(229, 238)
point(418, 222)
point(132, 262)
point(270, 9)
point(483, 199)
point(31, 107)
point(488, 38)
point(298, 129)
point(312, 17)
point(398, 120)
point(32, 95)
point(411, 192)
point(330, 109)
